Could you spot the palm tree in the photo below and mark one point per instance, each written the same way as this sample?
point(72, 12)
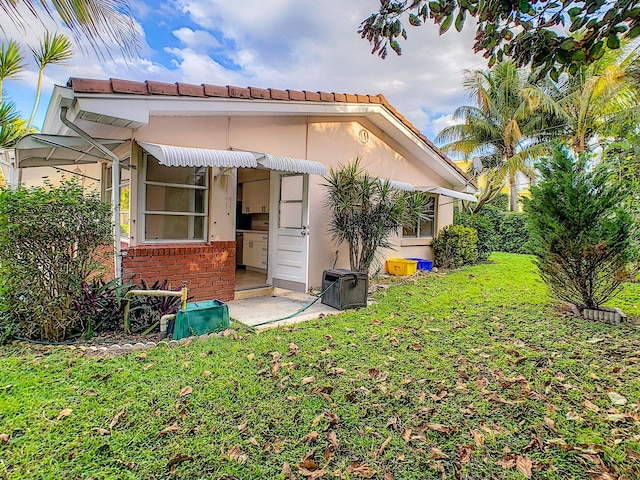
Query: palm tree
point(97, 23)
point(53, 50)
point(500, 130)
point(595, 101)
point(11, 62)
point(367, 211)
point(12, 127)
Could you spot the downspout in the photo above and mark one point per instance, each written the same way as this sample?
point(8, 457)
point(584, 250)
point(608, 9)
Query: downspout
point(115, 184)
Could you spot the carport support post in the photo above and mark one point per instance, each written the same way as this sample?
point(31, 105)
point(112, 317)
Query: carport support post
point(115, 187)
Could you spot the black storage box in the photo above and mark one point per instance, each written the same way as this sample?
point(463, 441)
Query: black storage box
point(346, 289)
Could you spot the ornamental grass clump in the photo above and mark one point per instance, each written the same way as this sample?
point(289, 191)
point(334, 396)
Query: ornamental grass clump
point(581, 234)
point(49, 244)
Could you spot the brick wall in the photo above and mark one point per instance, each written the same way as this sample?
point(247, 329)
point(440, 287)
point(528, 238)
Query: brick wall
point(208, 269)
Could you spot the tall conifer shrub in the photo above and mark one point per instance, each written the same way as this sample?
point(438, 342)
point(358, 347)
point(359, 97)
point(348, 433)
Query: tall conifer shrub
point(580, 232)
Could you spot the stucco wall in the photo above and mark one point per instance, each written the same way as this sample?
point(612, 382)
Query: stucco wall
point(325, 140)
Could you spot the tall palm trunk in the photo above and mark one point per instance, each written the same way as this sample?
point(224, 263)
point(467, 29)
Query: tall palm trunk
point(37, 101)
point(513, 193)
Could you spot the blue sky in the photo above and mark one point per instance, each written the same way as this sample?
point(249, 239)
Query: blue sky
point(297, 44)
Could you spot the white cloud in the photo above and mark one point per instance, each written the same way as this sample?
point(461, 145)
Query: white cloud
point(196, 39)
point(293, 44)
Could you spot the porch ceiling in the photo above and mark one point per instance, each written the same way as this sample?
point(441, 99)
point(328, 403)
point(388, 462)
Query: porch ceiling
point(40, 150)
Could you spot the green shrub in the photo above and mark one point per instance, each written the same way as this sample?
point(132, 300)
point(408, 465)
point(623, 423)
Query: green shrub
point(101, 306)
point(48, 247)
point(513, 235)
point(487, 238)
point(455, 246)
point(581, 234)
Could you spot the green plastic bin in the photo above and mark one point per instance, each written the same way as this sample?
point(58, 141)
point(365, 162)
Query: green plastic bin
point(199, 318)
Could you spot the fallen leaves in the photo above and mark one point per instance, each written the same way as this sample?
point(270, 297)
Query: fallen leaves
point(310, 437)
point(235, 454)
point(4, 438)
point(358, 469)
point(64, 413)
point(102, 431)
point(116, 418)
point(170, 429)
point(186, 391)
point(524, 465)
point(617, 399)
point(307, 380)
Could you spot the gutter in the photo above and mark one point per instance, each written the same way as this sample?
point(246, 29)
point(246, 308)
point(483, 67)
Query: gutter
point(115, 184)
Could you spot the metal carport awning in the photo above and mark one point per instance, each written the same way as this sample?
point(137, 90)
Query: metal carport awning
point(404, 186)
point(175, 156)
point(41, 150)
point(290, 164)
point(448, 193)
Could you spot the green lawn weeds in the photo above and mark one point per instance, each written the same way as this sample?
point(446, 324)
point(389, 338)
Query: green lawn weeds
point(472, 374)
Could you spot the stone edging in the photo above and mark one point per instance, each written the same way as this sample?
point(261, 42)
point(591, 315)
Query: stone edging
point(129, 347)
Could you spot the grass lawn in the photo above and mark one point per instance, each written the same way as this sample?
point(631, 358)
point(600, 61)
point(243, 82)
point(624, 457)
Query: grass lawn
point(474, 374)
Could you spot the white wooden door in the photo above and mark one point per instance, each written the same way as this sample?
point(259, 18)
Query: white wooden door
point(289, 231)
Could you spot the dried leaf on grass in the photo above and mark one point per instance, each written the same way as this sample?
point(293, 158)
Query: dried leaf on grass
point(361, 470)
point(524, 465)
point(310, 437)
point(64, 413)
point(236, 454)
point(169, 429)
point(116, 418)
point(307, 380)
point(384, 445)
point(333, 439)
point(4, 438)
point(102, 431)
point(179, 459)
point(437, 454)
point(617, 399)
point(186, 391)
point(287, 473)
point(129, 465)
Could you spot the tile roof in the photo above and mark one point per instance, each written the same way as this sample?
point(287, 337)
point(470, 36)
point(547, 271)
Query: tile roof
point(150, 87)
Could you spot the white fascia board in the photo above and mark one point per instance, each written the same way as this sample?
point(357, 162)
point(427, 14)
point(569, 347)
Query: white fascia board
point(61, 96)
point(118, 107)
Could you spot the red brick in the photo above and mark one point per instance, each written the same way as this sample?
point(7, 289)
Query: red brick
point(207, 269)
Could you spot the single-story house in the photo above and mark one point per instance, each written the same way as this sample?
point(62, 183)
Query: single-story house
point(222, 187)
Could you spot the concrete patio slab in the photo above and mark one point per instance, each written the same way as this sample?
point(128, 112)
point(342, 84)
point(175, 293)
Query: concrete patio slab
point(255, 311)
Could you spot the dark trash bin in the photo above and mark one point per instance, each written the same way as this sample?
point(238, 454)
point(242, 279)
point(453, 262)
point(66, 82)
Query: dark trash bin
point(344, 289)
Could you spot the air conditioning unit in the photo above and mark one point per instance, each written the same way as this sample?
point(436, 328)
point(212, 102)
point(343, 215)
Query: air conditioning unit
point(344, 289)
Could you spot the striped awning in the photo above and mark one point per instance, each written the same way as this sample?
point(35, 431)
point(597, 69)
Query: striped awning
point(173, 156)
point(405, 186)
point(445, 192)
point(289, 164)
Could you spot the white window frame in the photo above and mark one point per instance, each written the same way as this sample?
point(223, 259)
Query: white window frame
point(142, 198)
point(106, 175)
point(417, 237)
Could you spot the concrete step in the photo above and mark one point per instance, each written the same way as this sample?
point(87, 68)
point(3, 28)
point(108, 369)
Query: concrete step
point(253, 292)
